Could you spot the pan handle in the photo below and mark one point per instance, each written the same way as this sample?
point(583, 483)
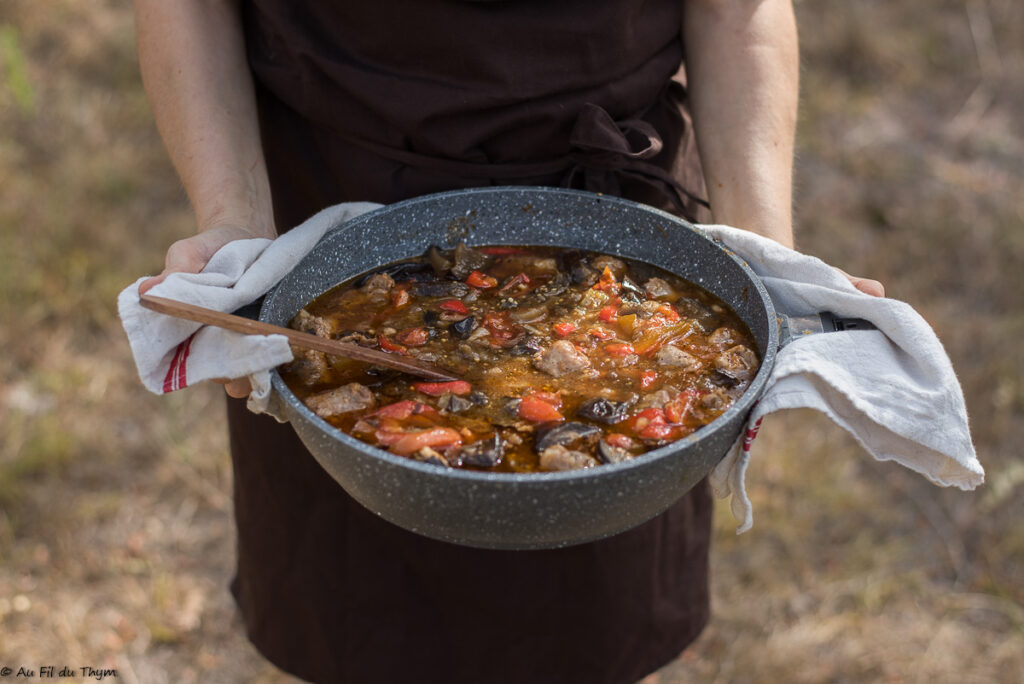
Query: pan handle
point(794, 327)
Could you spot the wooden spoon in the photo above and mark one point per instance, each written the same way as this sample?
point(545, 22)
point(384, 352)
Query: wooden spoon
point(248, 326)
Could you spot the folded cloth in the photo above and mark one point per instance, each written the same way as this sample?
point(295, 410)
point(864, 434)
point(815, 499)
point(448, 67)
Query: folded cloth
point(171, 353)
point(893, 388)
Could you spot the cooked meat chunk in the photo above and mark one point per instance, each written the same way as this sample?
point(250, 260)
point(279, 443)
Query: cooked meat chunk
point(657, 399)
point(670, 355)
point(714, 400)
point(657, 287)
point(344, 399)
point(557, 457)
point(317, 325)
point(378, 285)
point(466, 260)
point(607, 453)
point(561, 358)
point(738, 362)
point(309, 365)
point(724, 337)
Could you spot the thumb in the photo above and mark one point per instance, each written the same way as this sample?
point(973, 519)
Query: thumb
point(191, 254)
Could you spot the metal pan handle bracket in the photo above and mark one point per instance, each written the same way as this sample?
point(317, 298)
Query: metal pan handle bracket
point(795, 327)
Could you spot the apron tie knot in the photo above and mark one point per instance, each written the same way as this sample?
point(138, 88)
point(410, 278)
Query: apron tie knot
point(603, 150)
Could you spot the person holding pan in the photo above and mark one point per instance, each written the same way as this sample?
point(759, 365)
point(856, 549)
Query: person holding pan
point(272, 110)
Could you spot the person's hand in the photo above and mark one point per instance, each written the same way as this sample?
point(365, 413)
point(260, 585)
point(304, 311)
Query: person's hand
point(191, 255)
point(865, 285)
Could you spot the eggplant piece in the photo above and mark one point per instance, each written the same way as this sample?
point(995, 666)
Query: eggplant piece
point(580, 272)
point(689, 307)
point(479, 398)
point(554, 287)
point(631, 292)
point(485, 453)
point(453, 403)
point(528, 347)
point(578, 435)
point(603, 410)
point(467, 260)
point(464, 328)
point(437, 260)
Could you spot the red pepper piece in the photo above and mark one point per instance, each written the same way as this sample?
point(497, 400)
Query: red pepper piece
point(619, 349)
point(657, 431)
point(552, 398)
point(617, 439)
point(669, 312)
point(607, 283)
point(533, 408)
point(436, 389)
point(609, 313)
point(648, 378)
point(413, 337)
point(680, 405)
point(399, 296)
point(400, 410)
point(412, 442)
point(518, 279)
point(601, 333)
point(453, 305)
point(504, 331)
point(389, 346)
point(481, 280)
point(564, 329)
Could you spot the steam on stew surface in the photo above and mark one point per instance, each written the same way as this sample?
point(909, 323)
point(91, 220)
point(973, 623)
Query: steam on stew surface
point(570, 359)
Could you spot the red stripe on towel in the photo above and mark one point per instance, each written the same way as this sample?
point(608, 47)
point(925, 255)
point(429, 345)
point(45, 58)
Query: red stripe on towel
point(751, 433)
point(176, 373)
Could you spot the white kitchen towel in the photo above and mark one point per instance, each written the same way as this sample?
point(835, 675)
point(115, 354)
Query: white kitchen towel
point(893, 389)
point(171, 353)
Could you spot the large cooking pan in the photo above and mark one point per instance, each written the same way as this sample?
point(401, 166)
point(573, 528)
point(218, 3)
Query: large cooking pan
point(516, 510)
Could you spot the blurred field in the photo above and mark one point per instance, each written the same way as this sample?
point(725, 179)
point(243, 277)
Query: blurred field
point(116, 539)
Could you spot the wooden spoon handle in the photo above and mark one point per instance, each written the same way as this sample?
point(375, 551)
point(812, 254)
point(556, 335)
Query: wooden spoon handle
point(248, 326)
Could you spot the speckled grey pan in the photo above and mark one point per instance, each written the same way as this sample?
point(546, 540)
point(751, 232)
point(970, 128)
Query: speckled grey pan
point(512, 510)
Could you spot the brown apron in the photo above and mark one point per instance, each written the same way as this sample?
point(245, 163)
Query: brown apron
point(390, 99)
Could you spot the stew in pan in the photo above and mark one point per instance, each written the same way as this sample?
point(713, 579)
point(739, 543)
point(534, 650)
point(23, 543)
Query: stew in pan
point(569, 359)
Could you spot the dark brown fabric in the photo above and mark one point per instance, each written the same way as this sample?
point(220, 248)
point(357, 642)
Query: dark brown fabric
point(388, 100)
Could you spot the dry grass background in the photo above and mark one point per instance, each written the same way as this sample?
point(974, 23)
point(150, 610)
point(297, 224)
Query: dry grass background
point(115, 515)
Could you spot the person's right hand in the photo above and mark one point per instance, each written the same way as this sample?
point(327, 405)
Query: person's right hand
point(190, 255)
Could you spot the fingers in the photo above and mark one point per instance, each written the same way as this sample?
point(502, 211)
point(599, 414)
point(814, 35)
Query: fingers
point(191, 254)
point(865, 285)
point(239, 388)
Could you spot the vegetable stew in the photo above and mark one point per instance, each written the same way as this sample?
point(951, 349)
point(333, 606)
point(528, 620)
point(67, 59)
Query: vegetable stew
point(569, 359)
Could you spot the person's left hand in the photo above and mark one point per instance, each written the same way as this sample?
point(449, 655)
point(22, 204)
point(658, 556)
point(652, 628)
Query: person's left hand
point(865, 285)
